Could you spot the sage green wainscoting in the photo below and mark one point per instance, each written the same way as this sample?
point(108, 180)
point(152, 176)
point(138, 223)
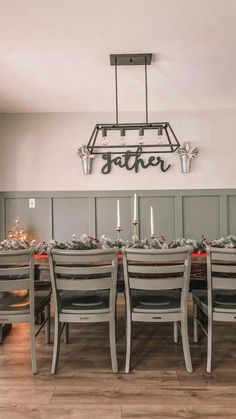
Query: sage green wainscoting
point(177, 213)
point(2, 216)
point(201, 216)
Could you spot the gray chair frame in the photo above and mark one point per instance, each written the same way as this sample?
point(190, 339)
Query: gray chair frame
point(156, 263)
point(21, 263)
point(86, 262)
point(220, 261)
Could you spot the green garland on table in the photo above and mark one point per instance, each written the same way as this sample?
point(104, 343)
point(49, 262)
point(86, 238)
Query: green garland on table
point(14, 244)
point(228, 242)
point(198, 246)
point(85, 242)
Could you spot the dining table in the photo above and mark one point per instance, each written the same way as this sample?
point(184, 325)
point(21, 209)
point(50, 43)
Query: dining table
point(198, 277)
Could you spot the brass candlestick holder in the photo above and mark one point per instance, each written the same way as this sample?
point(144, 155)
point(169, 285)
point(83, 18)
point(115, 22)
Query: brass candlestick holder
point(135, 236)
point(118, 229)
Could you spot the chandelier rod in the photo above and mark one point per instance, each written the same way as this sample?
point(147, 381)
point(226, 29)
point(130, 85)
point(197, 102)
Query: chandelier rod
point(116, 91)
point(146, 89)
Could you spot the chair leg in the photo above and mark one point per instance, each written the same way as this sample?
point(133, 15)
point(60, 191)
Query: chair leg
point(112, 337)
point(185, 341)
point(48, 324)
point(33, 348)
point(195, 323)
point(176, 332)
point(1, 333)
point(128, 342)
point(209, 346)
point(66, 333)
point(56, 345)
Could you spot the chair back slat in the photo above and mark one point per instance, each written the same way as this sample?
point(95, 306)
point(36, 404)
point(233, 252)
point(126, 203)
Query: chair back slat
point(12, 258)
point(223, 283)
point(78, 270)
point(223, 257)
point(160, 256)
point(24, 270)
point(156, 284)
point(63, 258)
point(142, 269)
point(221, 269)
point(84, 284)
point(15, 285)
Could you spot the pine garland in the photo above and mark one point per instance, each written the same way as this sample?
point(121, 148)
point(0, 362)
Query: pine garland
point(85, 242)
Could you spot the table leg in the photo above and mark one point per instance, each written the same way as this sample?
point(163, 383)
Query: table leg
point(4, 330)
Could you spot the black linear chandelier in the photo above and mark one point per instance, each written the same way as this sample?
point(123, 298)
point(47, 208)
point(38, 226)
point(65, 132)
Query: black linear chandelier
point(153, 137)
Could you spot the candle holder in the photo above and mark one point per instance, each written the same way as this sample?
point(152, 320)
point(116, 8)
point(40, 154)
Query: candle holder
point(118, 229)
point(135, 236)
point(152, 237)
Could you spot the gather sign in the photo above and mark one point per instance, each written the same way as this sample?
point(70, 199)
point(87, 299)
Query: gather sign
point(131, 160)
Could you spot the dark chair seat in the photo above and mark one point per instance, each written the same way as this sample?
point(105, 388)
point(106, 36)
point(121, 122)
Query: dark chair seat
point(155, 301)
point(223, 300)
point(84, 301)
point(19, 302)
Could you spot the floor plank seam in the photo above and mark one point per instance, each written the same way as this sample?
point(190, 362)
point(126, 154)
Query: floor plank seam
point(54, 389)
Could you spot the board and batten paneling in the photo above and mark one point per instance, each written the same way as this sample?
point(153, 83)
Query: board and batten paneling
point(231, 218)
point(177, 213)
point(2, 217)
point(70, 216)
point(37, 221)
point(201, 217)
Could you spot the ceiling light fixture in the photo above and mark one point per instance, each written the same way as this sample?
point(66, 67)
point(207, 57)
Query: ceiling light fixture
point(153, 137)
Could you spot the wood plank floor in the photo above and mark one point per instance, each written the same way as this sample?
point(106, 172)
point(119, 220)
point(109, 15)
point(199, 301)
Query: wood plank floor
point(158, 387)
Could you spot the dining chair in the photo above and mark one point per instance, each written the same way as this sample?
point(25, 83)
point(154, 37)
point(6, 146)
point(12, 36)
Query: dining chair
point(84, 291)
point(19, 302)
point(156, 290)
point(218, 302)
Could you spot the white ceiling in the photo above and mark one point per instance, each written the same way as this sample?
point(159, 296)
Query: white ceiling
point(54, 54)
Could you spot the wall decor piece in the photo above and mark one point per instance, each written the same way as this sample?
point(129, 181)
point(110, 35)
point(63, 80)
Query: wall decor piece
point(86, 159)
point(132, 161)
point(114, 139)
point(187, 153)
point(17, 232)
point(16, 238)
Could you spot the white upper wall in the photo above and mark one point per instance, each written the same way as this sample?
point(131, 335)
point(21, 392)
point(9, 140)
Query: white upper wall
point(54, 55)
point(39, 152)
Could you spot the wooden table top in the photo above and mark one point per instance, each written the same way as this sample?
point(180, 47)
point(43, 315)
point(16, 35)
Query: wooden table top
point(198, 258)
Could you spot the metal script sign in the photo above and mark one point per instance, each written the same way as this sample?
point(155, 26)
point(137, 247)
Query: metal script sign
point(131, 160)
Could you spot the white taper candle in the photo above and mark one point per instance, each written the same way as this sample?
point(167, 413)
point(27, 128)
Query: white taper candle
point(135, 207)
point(152, 224)
point(118, 213)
